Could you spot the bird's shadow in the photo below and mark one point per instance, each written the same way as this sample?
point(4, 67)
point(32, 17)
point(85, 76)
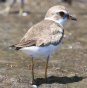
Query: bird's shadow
point(60, 80)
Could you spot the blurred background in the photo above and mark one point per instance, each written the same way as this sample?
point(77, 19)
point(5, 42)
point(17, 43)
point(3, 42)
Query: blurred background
point(70, 62)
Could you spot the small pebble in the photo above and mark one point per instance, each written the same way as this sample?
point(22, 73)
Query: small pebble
point(24, 14)
point(34, 86)
point(70, 47)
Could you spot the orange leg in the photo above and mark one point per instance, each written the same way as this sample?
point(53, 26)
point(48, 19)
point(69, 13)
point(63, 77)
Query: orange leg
point(32, 69)
point(46, 67)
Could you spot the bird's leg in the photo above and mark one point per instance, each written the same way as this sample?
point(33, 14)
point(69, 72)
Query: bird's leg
point(32, 70)
point(46, 67)
point(10, 6)
point(22, 7)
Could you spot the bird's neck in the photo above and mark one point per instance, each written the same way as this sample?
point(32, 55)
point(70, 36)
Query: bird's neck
point(61, 21)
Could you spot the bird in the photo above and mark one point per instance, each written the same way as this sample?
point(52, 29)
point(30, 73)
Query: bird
point(11, 4)
point(68, 1)
point(43, 38)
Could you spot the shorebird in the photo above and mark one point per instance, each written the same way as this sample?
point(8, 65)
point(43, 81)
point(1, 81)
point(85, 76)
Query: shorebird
point(44, 37)
point(68, 1)
point(11, 4)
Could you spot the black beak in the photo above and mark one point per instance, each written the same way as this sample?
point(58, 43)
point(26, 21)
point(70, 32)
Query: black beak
point(72, 18)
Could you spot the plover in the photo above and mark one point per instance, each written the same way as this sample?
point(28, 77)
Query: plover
point(68, 1)
point(11, 4)
point(44, 37)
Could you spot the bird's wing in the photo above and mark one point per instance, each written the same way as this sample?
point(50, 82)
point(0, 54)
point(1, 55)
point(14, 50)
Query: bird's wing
point(44, 33)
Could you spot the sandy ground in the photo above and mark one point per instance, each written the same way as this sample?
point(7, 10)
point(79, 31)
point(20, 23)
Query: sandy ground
point(67, 68)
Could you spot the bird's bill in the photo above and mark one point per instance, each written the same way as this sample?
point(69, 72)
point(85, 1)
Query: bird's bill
point(72, 18)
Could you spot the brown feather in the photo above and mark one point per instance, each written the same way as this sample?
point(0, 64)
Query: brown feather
point(44, 33)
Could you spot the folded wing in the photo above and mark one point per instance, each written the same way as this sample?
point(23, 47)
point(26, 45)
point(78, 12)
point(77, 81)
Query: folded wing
point(44, 33)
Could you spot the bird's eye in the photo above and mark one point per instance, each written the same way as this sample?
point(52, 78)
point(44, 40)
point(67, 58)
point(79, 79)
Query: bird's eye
point(61, 14)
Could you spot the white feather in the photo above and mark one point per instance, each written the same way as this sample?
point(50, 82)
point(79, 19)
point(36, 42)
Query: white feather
point(61, 21)
point(37, 51)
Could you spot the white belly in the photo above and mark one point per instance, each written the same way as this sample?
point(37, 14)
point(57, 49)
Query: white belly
point(36, 51)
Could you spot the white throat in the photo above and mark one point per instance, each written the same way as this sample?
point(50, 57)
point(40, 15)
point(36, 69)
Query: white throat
point(60, 21)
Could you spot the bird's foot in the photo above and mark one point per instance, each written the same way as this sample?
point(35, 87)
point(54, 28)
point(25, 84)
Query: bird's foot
point(21, 12)
point(33, 84)
point(5, 11)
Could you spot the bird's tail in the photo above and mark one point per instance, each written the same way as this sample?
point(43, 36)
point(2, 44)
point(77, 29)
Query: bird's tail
point(15, 47)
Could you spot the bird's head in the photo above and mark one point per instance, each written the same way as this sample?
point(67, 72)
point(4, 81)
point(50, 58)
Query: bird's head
point(59, 14)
